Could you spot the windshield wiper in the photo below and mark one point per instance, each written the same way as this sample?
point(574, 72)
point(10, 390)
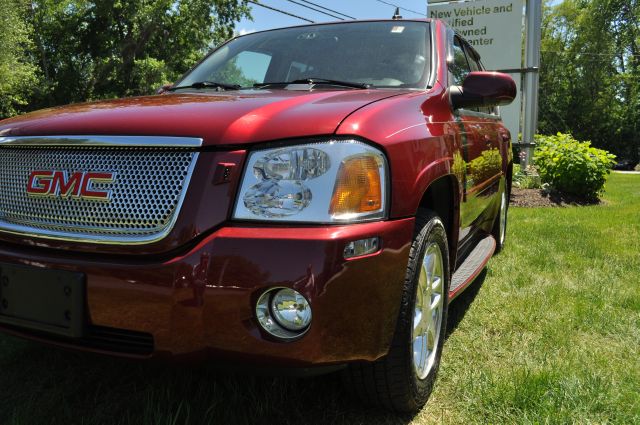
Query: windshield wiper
point(314, 81)
point(207, 85)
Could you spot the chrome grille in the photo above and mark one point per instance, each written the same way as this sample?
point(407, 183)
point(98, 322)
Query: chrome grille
point(146, 194)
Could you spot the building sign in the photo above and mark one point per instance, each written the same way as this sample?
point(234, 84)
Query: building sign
point(494, 28)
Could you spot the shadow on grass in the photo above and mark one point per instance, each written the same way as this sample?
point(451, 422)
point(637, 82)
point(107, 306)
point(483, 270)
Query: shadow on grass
point(43, 385)
point(459, 307)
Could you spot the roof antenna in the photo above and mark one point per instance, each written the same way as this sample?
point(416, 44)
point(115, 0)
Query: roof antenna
point(397, 15)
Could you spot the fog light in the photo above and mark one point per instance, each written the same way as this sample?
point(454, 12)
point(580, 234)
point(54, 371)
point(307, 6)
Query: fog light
point(291, 310)
point(361, 247)
point(284, 313)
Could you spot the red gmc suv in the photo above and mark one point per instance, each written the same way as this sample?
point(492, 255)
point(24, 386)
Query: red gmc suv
point(310, 198)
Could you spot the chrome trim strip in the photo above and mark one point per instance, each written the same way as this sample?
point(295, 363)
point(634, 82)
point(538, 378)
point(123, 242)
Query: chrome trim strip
point(433, 78)
point(29, 232)
point(103, 141)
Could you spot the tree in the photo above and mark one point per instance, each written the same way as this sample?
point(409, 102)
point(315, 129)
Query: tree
point(101, 49)
point(590, 76)
point(17, 72)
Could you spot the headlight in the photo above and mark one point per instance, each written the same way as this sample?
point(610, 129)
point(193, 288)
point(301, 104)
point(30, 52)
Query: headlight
point(327, 182)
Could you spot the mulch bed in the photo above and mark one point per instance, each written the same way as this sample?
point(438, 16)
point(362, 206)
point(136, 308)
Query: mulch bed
point(545, 198)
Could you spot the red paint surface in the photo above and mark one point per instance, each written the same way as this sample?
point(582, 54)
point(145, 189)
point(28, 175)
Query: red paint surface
point(230, 118)
point(499, 88)
point(203, 299)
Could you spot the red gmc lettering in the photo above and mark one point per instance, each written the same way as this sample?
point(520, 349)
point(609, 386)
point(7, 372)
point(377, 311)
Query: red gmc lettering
point(87, 189)
point(40, 183)
point(58, 183)
point(65, 187)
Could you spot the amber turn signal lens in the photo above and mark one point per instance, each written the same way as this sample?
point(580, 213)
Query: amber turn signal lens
point(358, 187)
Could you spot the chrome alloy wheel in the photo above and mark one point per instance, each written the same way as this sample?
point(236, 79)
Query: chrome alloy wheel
point(427, 316)
point(503, 218)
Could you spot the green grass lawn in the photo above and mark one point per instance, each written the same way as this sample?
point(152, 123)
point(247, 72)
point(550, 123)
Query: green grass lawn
point(549, 334)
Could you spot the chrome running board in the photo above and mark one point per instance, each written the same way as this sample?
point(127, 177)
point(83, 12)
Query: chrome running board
point(472, 266)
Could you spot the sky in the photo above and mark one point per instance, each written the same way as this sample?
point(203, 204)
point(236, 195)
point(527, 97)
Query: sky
point(359, 9)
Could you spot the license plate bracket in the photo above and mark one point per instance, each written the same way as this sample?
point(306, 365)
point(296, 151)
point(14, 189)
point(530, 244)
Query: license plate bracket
point(44, 300)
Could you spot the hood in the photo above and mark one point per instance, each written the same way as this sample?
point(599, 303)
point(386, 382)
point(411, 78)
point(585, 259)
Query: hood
point(228, 118)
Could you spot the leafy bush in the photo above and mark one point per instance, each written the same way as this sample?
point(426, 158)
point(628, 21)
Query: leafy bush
point(571, 166)
point(526, 178)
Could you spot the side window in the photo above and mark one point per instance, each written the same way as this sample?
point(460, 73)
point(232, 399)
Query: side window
point(246, 69)
point(474, 63)
point(460, 66)
point(495, 110)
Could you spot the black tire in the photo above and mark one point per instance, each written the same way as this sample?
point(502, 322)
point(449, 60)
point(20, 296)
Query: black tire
point(499, 233)
point(392, 381)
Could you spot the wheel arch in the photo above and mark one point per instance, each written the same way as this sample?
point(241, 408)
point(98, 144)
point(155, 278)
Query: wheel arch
point(442, 196)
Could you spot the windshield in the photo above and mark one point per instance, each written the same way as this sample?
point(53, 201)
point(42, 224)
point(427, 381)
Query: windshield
point(381, 54)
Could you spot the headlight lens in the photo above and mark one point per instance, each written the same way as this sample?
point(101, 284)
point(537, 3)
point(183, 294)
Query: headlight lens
point(334, 181)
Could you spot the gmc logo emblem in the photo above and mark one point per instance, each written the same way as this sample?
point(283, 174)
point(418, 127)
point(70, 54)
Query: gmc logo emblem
point(64, 185)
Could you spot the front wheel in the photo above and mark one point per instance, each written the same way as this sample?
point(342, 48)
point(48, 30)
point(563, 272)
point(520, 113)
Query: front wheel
point(404, 378)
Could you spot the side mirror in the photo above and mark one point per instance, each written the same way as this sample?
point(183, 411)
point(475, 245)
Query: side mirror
point(164, 89)
point(482, 88)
